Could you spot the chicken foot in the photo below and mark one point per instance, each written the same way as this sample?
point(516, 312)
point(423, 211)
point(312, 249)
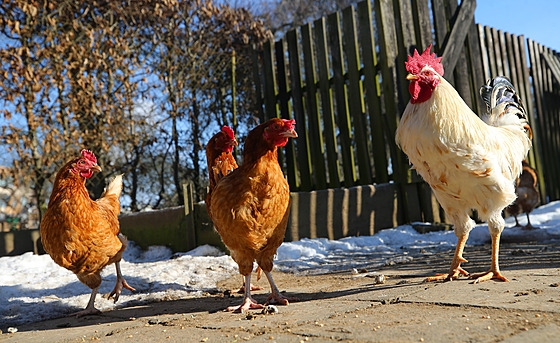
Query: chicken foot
point(90, 308)
point(275, 297)
point(529, 226)
point(455, 269)
point(248, 301)
point(494, 272)
point(121, 282)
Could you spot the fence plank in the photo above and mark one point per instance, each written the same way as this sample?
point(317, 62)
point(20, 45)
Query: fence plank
point(385, 26)
point(477, 72)
point(453, 46)
point(320, 29)
point(498, 58)
point(303, 158)
point(422, 23)
point(315, 132)
point(269, 83)
point(285, 112)
point(356, 93)
point(343, 119)
point(538, 84)
point(537, 152)
point(459, 19)
point(484, 52)
point(373, 91)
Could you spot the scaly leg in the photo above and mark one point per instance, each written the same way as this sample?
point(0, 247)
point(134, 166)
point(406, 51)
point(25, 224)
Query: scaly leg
point(275, 297)
point(121, 282)
point(494, 272)
point(455, 269)
point(248, 301)
point(90, 308)
point(253, 288)
point(529, 226)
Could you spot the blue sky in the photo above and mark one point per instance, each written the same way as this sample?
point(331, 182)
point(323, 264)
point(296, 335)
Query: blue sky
point(537, 19)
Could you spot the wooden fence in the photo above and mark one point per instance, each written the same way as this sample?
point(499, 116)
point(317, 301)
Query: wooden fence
point(343, 79)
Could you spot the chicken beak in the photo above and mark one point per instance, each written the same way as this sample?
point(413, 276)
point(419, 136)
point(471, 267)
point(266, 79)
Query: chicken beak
point(96, 167)
point(233, 143)
point(412, 77)
point(289, 134)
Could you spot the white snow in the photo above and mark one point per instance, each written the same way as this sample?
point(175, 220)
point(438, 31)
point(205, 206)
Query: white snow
point(34, 288)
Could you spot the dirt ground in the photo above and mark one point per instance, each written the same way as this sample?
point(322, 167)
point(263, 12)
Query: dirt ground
point(349, 307)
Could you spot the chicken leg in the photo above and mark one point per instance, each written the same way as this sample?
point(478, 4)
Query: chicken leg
point(494, 272)
point(248, 301)
point(121, 282)
point(275, 297)
point(455, 269)
point(90, 308)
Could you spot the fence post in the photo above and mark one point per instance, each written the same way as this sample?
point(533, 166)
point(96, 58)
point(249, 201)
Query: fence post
point(190, 223)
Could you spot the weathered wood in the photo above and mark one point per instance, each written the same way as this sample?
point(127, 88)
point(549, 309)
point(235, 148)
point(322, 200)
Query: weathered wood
point(269, 82)
point(477, 72)
point(553, 64)
point(491, 54)
point(388, 40)
point(422, 23)
point(303, 158)
point(498, 58)
point(341, 97)
point(373, 91)
point(285, 112)
point(407, 42)
point(315, 132)
point(356, 96)
point(460, 66)
point(320, 29)
point(484, 52)
point(452, 46)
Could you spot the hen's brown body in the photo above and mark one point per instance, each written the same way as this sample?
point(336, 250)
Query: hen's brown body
point(250, 206)
point(82, 235)
point(527, 195)
point(220, 159)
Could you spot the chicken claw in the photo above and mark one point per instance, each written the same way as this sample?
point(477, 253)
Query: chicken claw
point(279, 299)
point(488, 276)
point(121, 282)
point(248, 303)
point(85, 312)
point(448, 276)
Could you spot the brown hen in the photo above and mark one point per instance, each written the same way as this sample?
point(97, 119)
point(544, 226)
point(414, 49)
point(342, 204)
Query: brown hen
point(250, 206)
point(80, 234)
point(527, 195)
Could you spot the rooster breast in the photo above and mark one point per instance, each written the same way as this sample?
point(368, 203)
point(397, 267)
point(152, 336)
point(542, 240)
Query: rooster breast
point(468, 164)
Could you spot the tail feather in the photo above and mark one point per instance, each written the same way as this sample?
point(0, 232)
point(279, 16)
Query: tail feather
point(502, 101)
point(115, 187)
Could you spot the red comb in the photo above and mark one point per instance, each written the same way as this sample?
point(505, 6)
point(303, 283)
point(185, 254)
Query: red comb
point(291, 124)
point(88, 155)
point(228, 132)
point(417, 62)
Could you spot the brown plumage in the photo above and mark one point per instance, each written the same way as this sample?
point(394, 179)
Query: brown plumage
point(80, 234)
point(220, 159)
point(527, 195)
point(250, 206)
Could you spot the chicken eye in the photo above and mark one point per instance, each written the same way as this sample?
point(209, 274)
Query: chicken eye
point(82, 162)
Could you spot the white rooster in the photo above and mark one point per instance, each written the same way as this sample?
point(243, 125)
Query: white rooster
point(468, 162)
